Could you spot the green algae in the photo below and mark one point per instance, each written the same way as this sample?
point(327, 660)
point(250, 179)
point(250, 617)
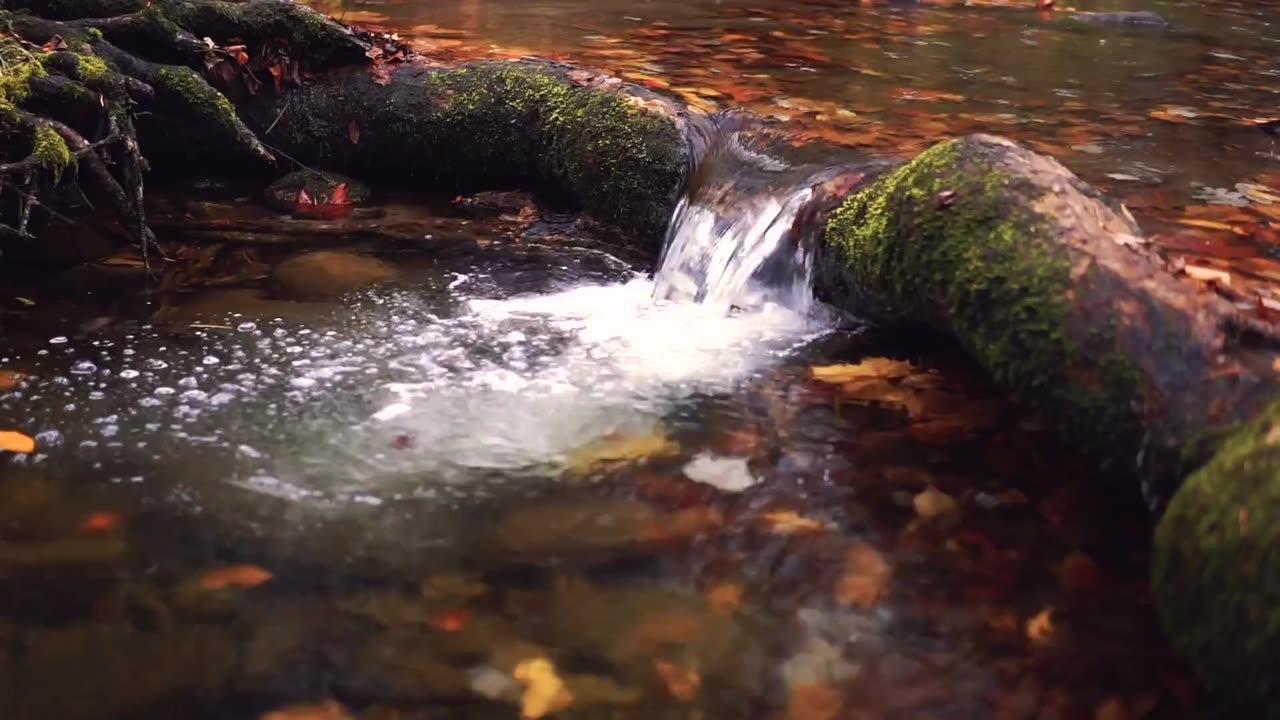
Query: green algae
point(1213, 575)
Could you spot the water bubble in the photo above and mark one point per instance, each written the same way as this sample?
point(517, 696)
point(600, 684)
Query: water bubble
point(129, 374)
point(59, 340)
point(210, 360)
point(189, 382)
point(97, 395)
point(303, 382)
point(165, 390)
point(109, 430)
point(156, 364)
point(247, 327)
point(49, 438)
point(83, 367)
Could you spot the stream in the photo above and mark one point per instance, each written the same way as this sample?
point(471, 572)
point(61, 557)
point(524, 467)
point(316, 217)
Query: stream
point(531, 474)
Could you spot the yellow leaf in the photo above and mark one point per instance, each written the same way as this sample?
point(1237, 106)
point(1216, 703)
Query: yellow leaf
point(1040, 628)
point(1206, 224)
point(788, 522)
point(621, 449)
point(544, 690)
point(878, 367)
point(933, 503)
point(724, 598)
point(16, 442)
point(1205, 274)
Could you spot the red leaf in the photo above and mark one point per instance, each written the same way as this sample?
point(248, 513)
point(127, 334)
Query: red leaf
point(339, 196)
point(304, 198)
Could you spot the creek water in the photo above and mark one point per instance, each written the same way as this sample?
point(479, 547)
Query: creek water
point(529, 447)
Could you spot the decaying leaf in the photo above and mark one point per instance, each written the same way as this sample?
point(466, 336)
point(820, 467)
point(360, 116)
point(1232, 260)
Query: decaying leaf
point(865, 578)
point(16, 442)
point(235, 576)
point(682, 682)
point(877, 367)
point(544, 690)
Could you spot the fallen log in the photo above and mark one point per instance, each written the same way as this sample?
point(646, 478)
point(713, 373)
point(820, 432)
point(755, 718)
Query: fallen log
point(1053, 292)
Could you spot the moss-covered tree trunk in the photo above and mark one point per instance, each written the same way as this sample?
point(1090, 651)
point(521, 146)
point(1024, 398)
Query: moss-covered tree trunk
point(1059, 298)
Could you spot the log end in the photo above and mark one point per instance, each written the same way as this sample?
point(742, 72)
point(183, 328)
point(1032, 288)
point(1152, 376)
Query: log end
point(1214, 574)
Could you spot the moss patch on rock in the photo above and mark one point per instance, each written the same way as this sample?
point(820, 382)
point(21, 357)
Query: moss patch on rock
point(1215, 577)
point(953, 241)
point(492, 125)
point(50, 152)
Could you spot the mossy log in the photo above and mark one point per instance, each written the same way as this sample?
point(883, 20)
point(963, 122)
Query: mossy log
point(1058, 298)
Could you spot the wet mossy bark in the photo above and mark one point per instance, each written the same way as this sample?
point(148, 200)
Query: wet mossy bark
point(1057, 297)
point(491, 125)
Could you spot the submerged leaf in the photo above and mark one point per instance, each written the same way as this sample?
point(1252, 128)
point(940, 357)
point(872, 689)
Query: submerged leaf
point(240, 576)
point(878, 367)
point(865, 579)
point(16, 442)
point(544, 690)
point(683, 683)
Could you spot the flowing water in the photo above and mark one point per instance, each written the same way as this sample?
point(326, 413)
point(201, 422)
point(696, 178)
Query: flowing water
point(527, 447)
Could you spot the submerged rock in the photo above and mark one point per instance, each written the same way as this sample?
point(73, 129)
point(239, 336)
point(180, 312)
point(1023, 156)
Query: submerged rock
point(1142, 18)
point(327, 274)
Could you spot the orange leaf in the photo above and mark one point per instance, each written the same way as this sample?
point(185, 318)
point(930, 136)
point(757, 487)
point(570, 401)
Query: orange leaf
point(865, 579)
point(100, 522)
point(16, 442)
point(339, 196)
point(724, 598)
point(241, 576)
point(1040, 628)
point(788, 522)
point(814, 701)
point(10, 379)
point(452, 621)
point(683, 683)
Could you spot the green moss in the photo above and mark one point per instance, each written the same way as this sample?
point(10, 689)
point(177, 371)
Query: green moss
point(91, 68)
point(951, 241)
point(50, 152)
point(1216, 573)
point(184, 86)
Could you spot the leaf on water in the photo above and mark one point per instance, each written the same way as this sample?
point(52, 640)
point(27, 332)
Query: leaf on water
point(544, 690)
point(724, 598)
point(100, 522)
point(237, 576)
point(1039, 628)
point(10, 379)
point(878, 367)
point(621, 449)
point(814, 701)
point(327, 710)
point(1206, 224)
point(16, 442)
point(683, 683)
point(933, 503)
point(1204, 274)
point(865, 579)
point(788, 522)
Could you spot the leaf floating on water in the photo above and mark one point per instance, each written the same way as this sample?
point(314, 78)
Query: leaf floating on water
point(878, 367)
point(683, 683)
point(235, 576)
point(788, 522)
point(865, 579)
point(620, 449)
point(544, 690)
point(100, 522)
point(327, 710)
point(16, 442)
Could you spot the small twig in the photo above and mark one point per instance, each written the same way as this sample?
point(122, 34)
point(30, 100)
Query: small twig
point(273, 123)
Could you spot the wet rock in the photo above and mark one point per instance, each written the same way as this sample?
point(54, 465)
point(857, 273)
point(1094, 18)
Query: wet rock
point(402, 667)
point(589, 528)
point(514, 203)
point(91, 672)
point(327, 275)
point(67, 245)
point(64, 552)
point(283, 193)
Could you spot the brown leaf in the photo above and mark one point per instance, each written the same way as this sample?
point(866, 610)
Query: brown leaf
point(814, 701)
point(327, 710)
point(865, 579)
point(240, 576)
point(724, 598)
point(788, 522)
point(10, 379)
point(353, 132)
point(16, 442)
point(683, 683)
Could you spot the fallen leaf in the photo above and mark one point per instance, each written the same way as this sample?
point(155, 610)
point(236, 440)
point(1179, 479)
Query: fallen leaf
point(10, 379)
point(814, 701)
point(16, 442)
point(1079, 573)
point(240, 576)
point(353, 132)
point(327, 710)
point(683, 683)
point(788, 522)
point(544, 690)
point(1204, 274)
point(865, 579)
point(1040, 628)
point(100, 522)
point(884, 368)
point(452, 621)
point(933, 503)
point(724, 598)
point(620, 449)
